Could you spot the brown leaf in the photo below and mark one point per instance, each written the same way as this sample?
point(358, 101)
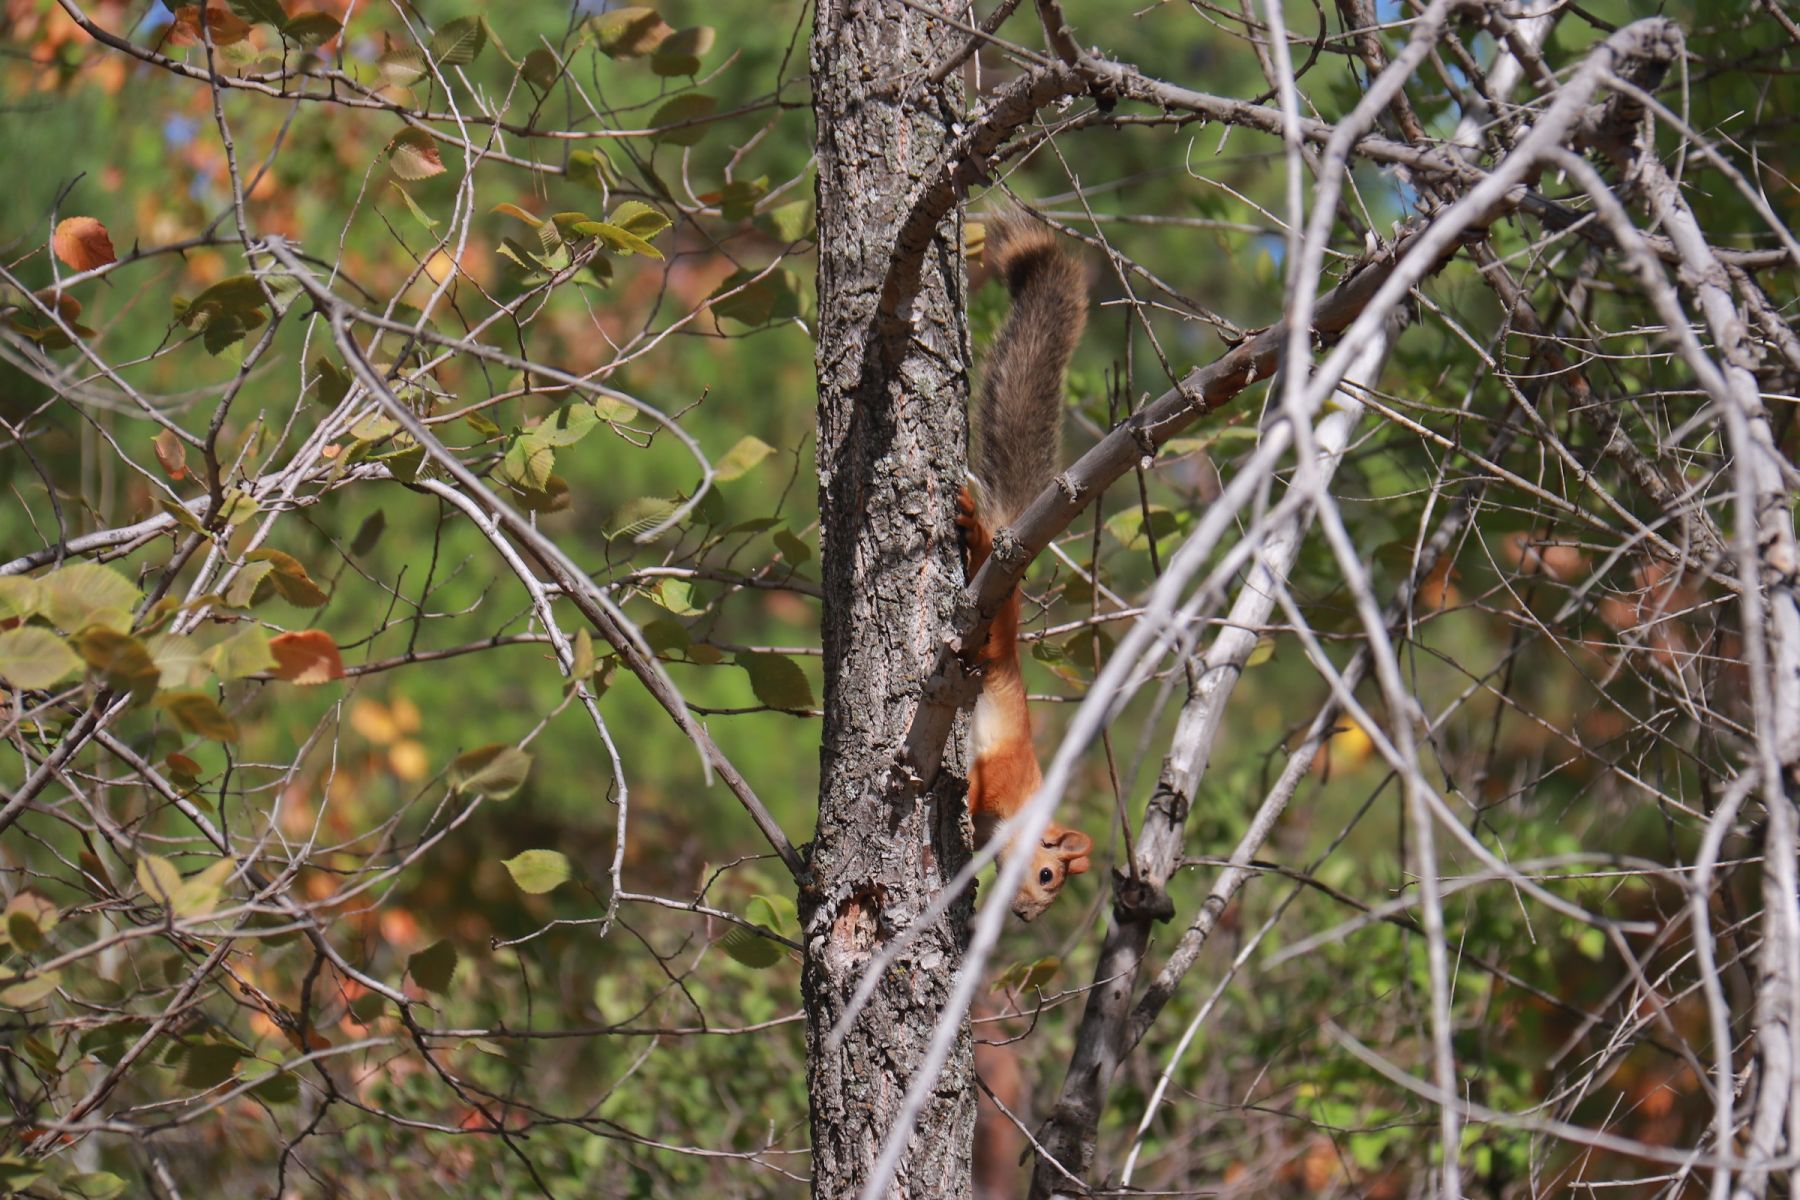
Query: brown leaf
point(226, 27)
point(171, 452)
point(414, 155)
point(82, 244)
point(306, 656)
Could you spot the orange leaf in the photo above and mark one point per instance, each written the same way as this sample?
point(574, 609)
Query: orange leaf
point(227, 28)
point(172, 454)
point(81, 242)
point(307, 656)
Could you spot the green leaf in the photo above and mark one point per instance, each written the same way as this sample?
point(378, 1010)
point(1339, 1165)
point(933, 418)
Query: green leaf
point(199, 714)
point(277, 1087)
point(527, 462)
point(199, 896)
point(368, 533)
point(312, 29)
point(291, 581)
point(158, 877)
point(1261, 653)
point(634, 216)
point(680, 53)
point(629, 32)
point(541, 70)
point(614, 238)
point(539, 871)
point(243, 654)
point(676, 595)
point(29, 917)
point(679, 112)
point(743, 297)
point(751, 949)
point(182, 660)
point(401, 65)
point(777, 680)
point(497, 771)
point(583, 665)
point(260, 12)
point(787, 223)
point(18, 597)
point(738, 198)
point(247, 585)
point(749, 451)
point(637, 516)
point(517, 213)
point(428, 222)
point(122, 661)
point(413, 155)
point(35, 658)
point(791, 547)
point(456, 43)
point(433, 967)
point(774, 913)
point(1127, 526)
point(209, 1064)
point(333, 384)
point(83, 594)
point(31, 991)
point(565, 426)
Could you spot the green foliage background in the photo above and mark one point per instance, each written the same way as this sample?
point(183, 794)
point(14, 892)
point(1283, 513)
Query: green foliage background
point(360, 764)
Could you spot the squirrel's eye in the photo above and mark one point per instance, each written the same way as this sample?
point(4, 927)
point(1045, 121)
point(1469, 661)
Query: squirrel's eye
point(1046, 875)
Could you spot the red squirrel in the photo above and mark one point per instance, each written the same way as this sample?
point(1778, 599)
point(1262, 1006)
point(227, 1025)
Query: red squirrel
point(1019, 451)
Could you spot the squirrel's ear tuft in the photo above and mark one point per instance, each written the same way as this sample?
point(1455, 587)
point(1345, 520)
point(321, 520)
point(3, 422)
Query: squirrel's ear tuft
point(1073, 847)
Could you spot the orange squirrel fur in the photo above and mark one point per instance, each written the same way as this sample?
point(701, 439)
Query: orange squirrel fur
point(1020, 428)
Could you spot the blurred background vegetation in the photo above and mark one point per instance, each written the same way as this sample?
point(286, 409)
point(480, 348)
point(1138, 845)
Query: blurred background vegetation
point(349, 777)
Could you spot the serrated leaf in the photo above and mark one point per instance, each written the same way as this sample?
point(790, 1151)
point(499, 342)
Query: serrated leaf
point(749, 451)
point(241, 655)
point(527, 462)
point(82, 243)
point(456, 43)
point(777, 680)
point(634, 216)
point(433, 967)
point(31, 991)
point(413, 155)
point(31, 658)
point(83, 594)
point(260, 12)
point(629, 32)
point(751, 949)
point(312, 29)
point(333, 383)
point(122, 660)
point(639, 515)
point(677, 595)
point(306, 657)
point(158, 877)
point(291, 581)
point(517, 213)
point(401, 65)
point(181, 660)
point(539, 871)
point(497, 771)
point(753, 301)
point(622, 241)
point(682, 120)
point(199, 714)
point(565, 426)
point(246, 586)
point(680, 53)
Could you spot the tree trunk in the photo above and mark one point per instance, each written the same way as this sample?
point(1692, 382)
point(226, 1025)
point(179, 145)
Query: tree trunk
point(892, 426)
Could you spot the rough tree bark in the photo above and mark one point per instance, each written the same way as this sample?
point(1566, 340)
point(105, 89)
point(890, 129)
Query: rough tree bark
point(893, 367)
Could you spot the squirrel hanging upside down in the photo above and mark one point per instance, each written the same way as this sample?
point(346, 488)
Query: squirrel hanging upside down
point(1020, 450)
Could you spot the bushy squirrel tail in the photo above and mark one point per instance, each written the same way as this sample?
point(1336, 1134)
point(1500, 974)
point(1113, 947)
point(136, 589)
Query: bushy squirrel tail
point(1020, 413)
